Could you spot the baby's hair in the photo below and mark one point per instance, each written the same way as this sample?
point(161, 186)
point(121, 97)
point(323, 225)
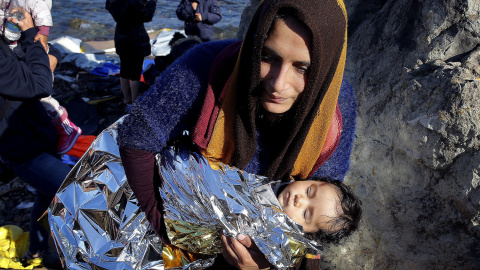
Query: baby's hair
point(347, 220)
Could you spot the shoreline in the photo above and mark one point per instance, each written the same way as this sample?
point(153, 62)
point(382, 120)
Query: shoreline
point(107, 46)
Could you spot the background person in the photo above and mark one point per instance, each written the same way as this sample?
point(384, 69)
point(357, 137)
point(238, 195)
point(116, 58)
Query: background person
point(132, 42)
point(67, 131)
point(27, 136)
point(275, 104)
point(199, 17)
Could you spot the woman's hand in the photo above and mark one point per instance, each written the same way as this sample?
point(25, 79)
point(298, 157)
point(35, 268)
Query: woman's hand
point(243, 253)
point(24, 24)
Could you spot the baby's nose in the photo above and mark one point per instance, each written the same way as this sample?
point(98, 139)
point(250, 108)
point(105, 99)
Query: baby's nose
point(297, 201)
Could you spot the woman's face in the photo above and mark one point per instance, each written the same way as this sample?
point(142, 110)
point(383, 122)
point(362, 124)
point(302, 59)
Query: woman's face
point(284, 65)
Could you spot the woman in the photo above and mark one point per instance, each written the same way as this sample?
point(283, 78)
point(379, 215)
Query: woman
point(267, 105)
point(132, 42)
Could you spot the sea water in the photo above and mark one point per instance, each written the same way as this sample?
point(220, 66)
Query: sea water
point(89, 20)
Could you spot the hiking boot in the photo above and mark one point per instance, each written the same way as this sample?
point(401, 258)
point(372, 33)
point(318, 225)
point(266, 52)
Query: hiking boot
point(68, 134)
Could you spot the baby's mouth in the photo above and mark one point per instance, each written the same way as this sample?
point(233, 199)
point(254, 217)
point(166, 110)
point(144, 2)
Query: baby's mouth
point(287, 198)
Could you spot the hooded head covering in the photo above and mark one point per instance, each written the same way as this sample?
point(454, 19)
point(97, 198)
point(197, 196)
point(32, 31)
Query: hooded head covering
point(303, 132)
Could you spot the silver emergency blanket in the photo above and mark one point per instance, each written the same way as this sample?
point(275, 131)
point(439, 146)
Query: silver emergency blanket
point(201, 203)
point(94, 218)
point(96, 223)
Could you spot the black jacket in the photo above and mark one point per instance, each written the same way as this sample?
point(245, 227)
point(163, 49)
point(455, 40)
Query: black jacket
point(25, 130)
point(130, 34)
point(210, 15)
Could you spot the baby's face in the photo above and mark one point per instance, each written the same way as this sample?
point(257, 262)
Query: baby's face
point(311, 204)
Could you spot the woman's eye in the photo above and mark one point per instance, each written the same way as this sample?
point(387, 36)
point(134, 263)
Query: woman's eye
point(308, 192)
point(305, 214)
point(267, 59)
point(302, 69)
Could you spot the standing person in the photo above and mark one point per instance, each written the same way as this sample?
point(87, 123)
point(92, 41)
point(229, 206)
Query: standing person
point(275, 104)
point(27, 136)
point(67, 131)
point(199, 17)
point(132, 42)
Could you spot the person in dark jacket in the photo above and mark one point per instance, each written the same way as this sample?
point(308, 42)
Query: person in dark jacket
point(132, 42)
point(199, 17)
point(27, 136)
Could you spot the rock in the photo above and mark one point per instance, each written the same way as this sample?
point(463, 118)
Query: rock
point(18, 219)
point(76, 23)
point(415, 67)
point(415, 164)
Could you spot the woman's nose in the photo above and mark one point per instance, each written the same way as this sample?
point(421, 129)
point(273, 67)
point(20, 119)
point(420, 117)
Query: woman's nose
point(279, 80)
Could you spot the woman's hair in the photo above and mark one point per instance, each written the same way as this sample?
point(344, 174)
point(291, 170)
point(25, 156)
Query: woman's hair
point(347, 220)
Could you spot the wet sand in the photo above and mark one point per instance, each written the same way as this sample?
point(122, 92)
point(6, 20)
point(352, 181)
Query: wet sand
point(106, 46)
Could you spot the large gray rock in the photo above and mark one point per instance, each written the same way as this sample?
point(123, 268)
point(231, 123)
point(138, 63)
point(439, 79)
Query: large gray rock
point(416, 161)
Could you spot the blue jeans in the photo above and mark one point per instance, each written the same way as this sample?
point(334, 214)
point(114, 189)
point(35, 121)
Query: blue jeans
point(45, 173)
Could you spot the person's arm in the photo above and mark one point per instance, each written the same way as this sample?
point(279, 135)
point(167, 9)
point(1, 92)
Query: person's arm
point(149, 10)
point(243, 253)
point(54, 55)
point(30, 78)
point(42, 19)
point(336, 167)
point(185, 10)
point(161, 114)
point(42, 36)
point(139, 167)
point(214, 15)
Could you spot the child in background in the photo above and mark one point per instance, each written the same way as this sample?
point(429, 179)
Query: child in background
point(40, 9)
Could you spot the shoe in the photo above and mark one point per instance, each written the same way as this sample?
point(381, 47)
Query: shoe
point(49, 259)
point(68, 134)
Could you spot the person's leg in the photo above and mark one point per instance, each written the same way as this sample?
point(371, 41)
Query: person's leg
point(67, 131)
point(52, 107)
point(135, 70)
point(45, 173)
point(125, 78)
point(127, 96)
point(135, 89)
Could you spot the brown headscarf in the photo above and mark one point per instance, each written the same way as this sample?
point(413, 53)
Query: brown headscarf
point(303, 135)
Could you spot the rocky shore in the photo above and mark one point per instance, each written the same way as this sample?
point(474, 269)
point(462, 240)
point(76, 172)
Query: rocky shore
point(415, 164)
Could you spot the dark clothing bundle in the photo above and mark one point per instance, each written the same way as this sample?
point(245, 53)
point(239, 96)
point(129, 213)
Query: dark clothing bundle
point(25, 129)
point(210, 15)
point(130, 34)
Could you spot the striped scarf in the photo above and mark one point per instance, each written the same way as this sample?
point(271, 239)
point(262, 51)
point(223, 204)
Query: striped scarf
point(303, 134)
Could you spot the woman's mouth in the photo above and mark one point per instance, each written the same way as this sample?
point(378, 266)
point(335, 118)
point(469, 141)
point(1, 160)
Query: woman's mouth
point(272, 98)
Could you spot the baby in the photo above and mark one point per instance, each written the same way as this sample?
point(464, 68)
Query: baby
point(327, 209)
point(224, 198)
